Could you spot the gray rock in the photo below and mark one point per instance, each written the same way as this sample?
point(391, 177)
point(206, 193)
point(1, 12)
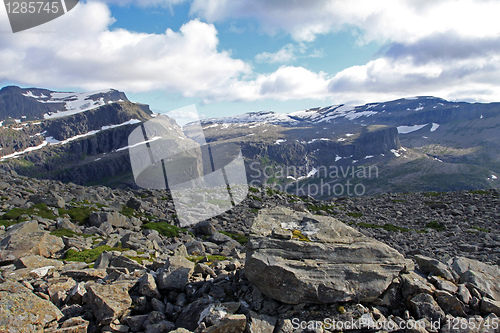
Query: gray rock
point(175, 274)
point(432, 266)
point(108, 302)
point(424, 306)
point(337, 264)
point(483, 277)
point(21, 311)
point(116, 219)
point(449, 303)
point(26, 238)
point(490, 306)
point(259, 323)
point(463, 294)
point(50, 199)
point(147, 286)
point(205, 228)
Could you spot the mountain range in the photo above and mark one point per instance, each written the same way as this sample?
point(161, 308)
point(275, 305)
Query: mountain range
point(408, 145)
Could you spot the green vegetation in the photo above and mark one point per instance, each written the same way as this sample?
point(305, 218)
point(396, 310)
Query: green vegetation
point(7, 223)
point(481, 192)
point(210, 258)
point(39, 210)
point(432, 194)
point(253, 189)
point(68, 233)
point(387, 226)
point(354, 214)
point(89, 256)
point(164, 228)
point(478, 228)
point(79, 214)
point(242, 239)
point(435, 225)
point(340, 309)
point(253, 197)
point(324, 207)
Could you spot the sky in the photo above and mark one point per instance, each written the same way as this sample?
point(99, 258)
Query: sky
point(229, 57)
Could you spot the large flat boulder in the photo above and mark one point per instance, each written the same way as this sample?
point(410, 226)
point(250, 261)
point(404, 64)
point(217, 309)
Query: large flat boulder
point(22, 311)
point(108, 302)
point(483, 277)
point(26, 238)
point(296, 257)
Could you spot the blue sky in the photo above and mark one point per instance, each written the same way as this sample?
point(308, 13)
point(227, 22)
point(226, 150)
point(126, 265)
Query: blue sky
point(235, 56)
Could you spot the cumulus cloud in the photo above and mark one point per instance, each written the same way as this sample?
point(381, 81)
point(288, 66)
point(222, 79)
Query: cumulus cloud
point(83, 52)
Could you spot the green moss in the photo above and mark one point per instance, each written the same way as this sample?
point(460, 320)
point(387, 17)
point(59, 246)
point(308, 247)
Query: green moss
point(481, 192)
point(89, 256)
point(129, 212)
point(79, 214)
point(253, 197)
point(325, 208)
point(8, 223)
point(68, 233)
point(139, 260)
point(300, 236)
point(387, 226)
point(210, 258)
point(39, 209)
point(164, 228)
point(435, 225)
point(478, 228)
point(340, 309)
point(351, 214)
point(253, 189)
point(242, 239)
point(432, 194)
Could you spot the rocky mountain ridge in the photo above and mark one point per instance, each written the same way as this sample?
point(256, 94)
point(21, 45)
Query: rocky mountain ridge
point(96, 259)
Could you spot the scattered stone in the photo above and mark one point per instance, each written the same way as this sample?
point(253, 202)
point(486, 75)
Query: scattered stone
point(108, 302)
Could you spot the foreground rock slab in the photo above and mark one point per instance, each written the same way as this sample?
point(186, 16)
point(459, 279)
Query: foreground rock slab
point(296, 257)
point(22, 311)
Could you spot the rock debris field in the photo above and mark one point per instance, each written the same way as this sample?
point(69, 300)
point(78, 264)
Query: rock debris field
point(77, 259)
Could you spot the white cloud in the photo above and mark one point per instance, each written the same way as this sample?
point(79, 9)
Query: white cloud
point(83, 52)
point(286, 54)
point(395, 20)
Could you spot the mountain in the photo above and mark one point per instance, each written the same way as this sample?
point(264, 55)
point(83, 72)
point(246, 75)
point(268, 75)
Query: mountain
point(77, 137)
point(406, 145)
point(412, 144)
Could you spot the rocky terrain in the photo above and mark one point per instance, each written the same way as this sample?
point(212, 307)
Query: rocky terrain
point(97, 259)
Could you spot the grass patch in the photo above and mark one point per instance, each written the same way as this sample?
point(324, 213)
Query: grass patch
point(128, 212)
point(210, 258)
point(351, 214)
point(7, 223)
point(435, 225)
point(78, 214)
point(242, 239)
point(325, 208)
point(478, 228)
point(387, 227)
point(432, 194)
point(39, 210)
point(164, 228)
point(253, 197)
point(67, 233)
point(481, 192)
point(253, 189)
point(89, 256)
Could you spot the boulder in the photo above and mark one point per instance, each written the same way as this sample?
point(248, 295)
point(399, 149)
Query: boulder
point(432, 266)
point(36, 261)
point(108, 302)
point(22, 311)
point(26, 238)
point(115, 219)
point(50, 199)
point(483, 277)
point(425, 307)
point(175, 274)
point(325, 261)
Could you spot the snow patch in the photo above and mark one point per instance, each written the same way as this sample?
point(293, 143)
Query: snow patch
point(409, 129)
point(434, 127)
point(280, 141)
